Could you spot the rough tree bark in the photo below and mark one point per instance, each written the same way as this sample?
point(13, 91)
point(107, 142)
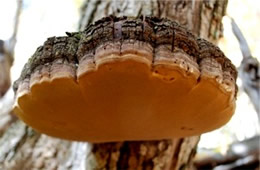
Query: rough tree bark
point(23, 148)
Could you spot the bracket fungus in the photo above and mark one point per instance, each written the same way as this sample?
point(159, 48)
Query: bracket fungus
point(126, 79)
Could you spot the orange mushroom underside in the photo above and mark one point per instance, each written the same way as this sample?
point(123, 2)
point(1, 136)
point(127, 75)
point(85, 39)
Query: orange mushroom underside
point(135, 93)
point(125, 98)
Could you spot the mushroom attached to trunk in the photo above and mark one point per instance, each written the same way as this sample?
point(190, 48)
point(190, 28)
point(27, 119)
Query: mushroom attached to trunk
point(126, 79)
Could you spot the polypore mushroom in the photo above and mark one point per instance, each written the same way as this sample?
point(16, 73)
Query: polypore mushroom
point(126, 79)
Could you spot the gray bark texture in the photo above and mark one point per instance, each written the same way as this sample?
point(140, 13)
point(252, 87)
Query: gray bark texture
point(23, 148)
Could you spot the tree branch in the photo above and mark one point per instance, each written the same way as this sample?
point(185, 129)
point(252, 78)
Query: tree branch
point(242, 41)
point(249, 70)
point(10, 44)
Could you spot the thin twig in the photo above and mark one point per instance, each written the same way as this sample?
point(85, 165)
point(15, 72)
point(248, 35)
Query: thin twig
point(242, 41)
point(12, 40)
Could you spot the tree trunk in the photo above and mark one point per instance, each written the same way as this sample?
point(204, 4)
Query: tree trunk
point(23, 148)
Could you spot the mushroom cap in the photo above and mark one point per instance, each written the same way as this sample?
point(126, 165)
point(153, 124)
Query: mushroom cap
point(126, 79)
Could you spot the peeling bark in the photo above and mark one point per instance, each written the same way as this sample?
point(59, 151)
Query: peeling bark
point(23, 148)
